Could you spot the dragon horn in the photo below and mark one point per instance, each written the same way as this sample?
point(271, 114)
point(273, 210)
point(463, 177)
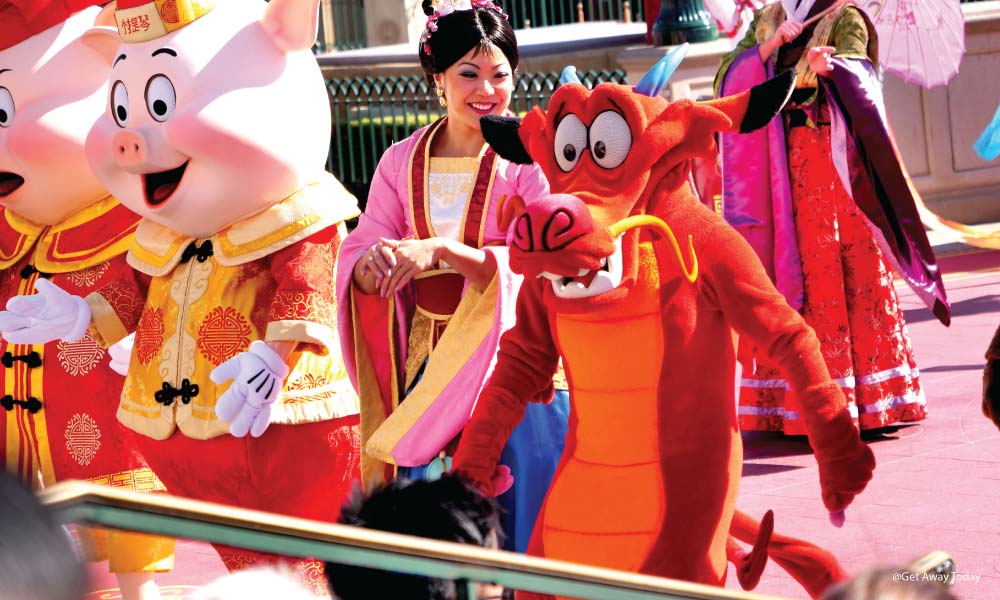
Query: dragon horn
point(569, 75)
point(657, 77)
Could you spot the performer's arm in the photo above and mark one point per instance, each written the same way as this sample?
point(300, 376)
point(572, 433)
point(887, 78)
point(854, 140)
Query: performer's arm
point(383, 219)
point(303, 310)
point(115, 309)
point(787, 31)
point(416, 256)
point(849, 39)
point(850, 35)
point(738, 283)
point(525, 365)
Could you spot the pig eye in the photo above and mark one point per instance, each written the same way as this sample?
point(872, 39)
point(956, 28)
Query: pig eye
point(6, 107)
point(119, 103)
point(160, 97)
point(570, 143)
point(610, 139)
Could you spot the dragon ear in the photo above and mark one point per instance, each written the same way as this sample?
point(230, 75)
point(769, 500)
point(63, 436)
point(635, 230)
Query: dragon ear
point(502, 134)
point(657, 77)
point(569, 75)
point(754, 108)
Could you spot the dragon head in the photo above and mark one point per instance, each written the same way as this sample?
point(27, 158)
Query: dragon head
point(614, 156)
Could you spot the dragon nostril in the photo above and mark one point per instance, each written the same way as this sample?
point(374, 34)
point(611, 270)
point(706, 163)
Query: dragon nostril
point(560, 230)
point(522, 234)
point(559, 224)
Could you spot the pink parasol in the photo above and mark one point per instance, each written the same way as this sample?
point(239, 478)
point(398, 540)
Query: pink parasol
point(922, 41)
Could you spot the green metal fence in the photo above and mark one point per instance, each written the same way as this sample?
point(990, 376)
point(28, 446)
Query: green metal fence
point(349, 16)
point(532, 13)
point(349, 31)
point(370, 113)
point(77, 502)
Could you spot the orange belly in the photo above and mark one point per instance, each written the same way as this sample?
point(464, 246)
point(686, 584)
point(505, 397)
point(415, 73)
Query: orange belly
point(606, 507)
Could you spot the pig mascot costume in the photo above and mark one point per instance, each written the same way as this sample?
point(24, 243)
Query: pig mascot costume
point(216, 132)
point(59, 228)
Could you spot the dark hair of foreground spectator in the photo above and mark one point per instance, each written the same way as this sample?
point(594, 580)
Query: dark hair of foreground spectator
point(37, 561)
point(446, 509)
point(889, 584)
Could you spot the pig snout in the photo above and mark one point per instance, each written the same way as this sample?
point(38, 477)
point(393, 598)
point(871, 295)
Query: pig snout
point(130, 150)
point(552, 223)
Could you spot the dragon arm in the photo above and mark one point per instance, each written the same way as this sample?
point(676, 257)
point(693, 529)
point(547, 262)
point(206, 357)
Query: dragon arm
point(734, 276)
point(525, 364)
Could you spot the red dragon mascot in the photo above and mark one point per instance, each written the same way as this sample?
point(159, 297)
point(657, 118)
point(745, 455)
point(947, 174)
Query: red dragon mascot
point(644, 325)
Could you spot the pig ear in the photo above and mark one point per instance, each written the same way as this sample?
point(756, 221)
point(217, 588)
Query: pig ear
point(291, 24)
point(103, 40)
point(106, 18)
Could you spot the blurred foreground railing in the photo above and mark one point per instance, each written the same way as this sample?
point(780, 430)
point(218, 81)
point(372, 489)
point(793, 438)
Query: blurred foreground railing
point(79, 502)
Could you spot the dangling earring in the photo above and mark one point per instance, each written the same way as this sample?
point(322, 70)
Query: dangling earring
point(441, 99)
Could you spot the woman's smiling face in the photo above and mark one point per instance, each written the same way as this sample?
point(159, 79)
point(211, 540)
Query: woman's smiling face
point(479, 84)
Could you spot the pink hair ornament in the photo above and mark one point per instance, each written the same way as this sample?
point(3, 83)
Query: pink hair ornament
point(443, 8)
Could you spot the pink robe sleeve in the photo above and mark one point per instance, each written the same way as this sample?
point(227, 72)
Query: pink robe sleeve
point(384, 216)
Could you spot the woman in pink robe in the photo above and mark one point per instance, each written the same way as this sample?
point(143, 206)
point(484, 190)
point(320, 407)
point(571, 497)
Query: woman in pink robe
point(423, 285)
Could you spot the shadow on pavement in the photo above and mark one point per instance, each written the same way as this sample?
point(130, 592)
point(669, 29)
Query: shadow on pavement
point(754, 469)
point(948, 368)
point(973, 306)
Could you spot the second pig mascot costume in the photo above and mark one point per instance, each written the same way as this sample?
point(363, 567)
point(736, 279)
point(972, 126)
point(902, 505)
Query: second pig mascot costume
point(644, 325)
point(59, 227)
point(216, 132)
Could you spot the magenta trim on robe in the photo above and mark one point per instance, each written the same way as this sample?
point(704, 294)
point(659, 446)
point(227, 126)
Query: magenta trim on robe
point(869, 164)
point(756, 192)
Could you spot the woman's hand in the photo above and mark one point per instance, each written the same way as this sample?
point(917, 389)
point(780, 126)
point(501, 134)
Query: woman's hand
point(819, 59)
point(375, 266)
point(787, 31)
point(411, 257)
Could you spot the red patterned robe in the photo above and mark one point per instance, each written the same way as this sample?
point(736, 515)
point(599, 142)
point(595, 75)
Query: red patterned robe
point(827, 225)
point(58, 400)
point(264, 278)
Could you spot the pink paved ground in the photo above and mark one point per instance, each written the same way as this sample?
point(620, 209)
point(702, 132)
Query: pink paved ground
point(937, 485)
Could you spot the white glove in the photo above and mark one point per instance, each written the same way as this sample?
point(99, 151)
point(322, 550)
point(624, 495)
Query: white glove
point(258, 376)
point(51, 314)
point(121, 353)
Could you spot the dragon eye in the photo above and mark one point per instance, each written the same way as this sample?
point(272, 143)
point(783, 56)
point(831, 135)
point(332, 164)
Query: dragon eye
point(571, 140)
point(612, 139)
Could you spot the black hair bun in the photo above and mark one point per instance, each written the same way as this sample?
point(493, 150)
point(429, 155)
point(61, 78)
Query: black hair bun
point(428, 6)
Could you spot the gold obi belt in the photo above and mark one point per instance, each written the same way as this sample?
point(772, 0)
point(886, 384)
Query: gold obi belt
point(438, 293)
